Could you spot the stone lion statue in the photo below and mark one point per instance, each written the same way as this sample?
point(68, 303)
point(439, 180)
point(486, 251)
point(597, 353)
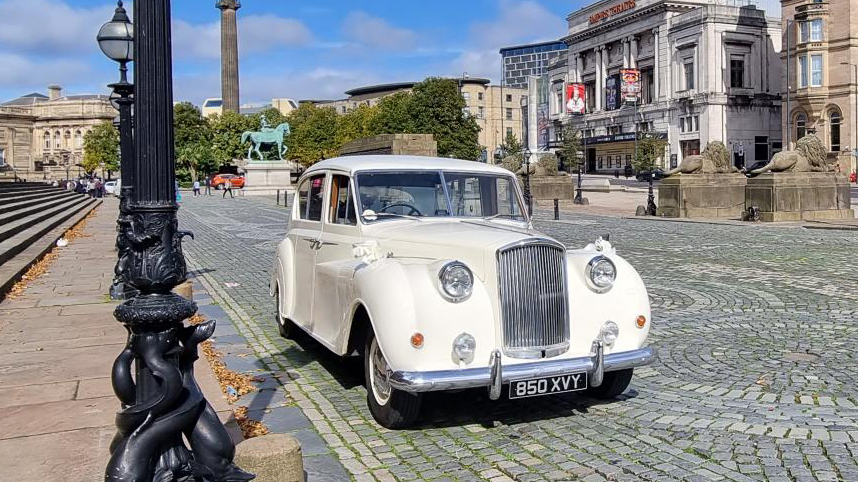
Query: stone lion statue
point(809, 156)
point(714, 160)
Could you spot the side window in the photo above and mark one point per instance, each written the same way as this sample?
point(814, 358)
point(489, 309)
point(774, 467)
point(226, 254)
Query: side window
point(316, 199)
point(310, 198)
point(342, 209)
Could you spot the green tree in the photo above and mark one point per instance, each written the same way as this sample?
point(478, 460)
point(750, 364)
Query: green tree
point(314, 136)
point(512, 149)
point(436, 107)
point(192, 139)
point(571, 148)
point(394, 115)
point(650, 150)
point(101, 148)
point(357, 124)
point(225, 135)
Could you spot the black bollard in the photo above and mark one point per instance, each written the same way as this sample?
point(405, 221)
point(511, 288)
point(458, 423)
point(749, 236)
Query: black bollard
point(556, 209)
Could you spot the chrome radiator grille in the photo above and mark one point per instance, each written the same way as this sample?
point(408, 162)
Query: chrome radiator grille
point(533, 299)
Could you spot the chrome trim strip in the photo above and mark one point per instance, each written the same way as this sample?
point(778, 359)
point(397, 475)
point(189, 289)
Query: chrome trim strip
point(482, 377)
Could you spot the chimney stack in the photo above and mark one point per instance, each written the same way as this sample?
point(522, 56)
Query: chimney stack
point(54, 92)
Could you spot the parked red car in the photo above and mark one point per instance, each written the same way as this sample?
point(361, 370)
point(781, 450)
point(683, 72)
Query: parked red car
point(236, 181)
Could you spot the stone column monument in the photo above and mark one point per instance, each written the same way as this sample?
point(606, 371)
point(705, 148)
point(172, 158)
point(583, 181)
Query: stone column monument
point(229, 53)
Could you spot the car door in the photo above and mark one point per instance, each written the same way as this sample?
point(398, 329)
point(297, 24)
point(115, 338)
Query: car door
point(304, 234)
point(334, 259)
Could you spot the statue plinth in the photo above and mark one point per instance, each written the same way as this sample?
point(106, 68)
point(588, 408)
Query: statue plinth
point(797, 196)
point(266, 177)
point(702, 196)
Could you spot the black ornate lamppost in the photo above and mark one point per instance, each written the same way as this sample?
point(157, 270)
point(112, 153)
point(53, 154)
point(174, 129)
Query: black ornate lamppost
point(579, 195)
point(527, 197)
point(153, 377)
point(116, 40)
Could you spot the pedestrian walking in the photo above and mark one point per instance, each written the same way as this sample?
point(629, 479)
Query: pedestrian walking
point(196, 188)
point(227, 188)
point(209, 185)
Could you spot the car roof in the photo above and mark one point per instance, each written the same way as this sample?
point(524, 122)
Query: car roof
point(351, 164)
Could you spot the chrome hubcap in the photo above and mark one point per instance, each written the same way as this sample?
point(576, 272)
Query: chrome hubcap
point(379, 373)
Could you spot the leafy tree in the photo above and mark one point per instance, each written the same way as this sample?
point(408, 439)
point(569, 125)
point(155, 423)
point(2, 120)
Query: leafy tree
point(436, 107)
point(571, 148)
point(101, 148)
point(225, 135)
point(314, 135)
point(192, 138)
point(357, 124)
point(394, 115)
point(650, 150)
point(512, 149)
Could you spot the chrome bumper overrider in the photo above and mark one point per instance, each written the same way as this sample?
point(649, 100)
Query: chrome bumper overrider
point(494, 375)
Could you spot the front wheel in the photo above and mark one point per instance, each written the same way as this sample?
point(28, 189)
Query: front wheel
point(284, 326)
point(390, 407)
point(612, 385)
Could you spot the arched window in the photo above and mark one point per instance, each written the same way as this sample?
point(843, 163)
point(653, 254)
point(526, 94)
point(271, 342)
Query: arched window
point(58, 140)
point(68, 140)
point(800, 126)
point(78, 139)
point(48, 140)
point(834, 120)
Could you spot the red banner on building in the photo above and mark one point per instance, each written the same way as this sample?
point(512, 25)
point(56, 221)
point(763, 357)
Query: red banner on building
point(575, 101)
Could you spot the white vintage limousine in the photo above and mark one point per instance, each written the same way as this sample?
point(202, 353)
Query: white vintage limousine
point(430, 269)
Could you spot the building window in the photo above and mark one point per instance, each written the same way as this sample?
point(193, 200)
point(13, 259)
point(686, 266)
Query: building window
point(509, 97)
point(479, 96)
point(508, 113)
point(802, 71)
point(737, 71)
point(58, 140)
point(2, 157)
point(811, 30)
point(481, 112)
point(761, 148)
point(689, 75)
point(804, 31)
point(834, 121)
point(800, 126)
point(816, 70)
point(68, 140)
point(508, 131)
point(47, 140)
point(78, 139)
point(466, 96)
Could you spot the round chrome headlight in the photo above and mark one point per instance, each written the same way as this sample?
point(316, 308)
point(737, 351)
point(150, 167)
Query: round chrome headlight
point(601, 273)
point(457, 281)
point(610, 332)
point(464, 346)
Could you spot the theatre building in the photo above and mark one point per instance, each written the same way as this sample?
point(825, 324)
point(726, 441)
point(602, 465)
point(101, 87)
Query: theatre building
point(708, 71)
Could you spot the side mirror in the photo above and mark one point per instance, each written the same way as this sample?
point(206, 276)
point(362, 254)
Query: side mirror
point(369, 215)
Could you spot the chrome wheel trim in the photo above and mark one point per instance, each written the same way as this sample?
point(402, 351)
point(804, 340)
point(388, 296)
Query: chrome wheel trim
point(379, 374)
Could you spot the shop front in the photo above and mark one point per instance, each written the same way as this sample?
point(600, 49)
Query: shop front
point(611, 154)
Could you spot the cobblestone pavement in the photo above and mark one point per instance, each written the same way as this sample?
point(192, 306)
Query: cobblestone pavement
point(756, 333)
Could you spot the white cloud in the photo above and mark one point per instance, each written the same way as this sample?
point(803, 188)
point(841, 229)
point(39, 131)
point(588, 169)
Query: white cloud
point(376, 33)
point(256, 34)
point(21, 72)
point(49, 27)
point(517, 22)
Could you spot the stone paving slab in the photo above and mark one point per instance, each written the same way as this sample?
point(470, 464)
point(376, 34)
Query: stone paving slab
point(57, 343)
point(755, 328)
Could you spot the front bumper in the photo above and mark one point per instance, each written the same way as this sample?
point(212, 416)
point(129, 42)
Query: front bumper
point(494, 375)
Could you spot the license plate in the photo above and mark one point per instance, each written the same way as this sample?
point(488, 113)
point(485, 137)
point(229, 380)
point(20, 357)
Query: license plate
point(548, 385)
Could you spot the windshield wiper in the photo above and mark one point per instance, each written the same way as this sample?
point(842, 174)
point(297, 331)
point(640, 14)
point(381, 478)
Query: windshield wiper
point(397, 215)
point(511, 216)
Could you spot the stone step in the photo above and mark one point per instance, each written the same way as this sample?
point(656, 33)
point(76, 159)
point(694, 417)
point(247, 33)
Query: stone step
point(22, 186)
point(11, 197)
point(38, 240)
point(13, 228)
point(16, 208)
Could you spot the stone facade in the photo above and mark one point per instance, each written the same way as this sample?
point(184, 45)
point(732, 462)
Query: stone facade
point(823, 72)
point(708, 72)
point(796, 196)
point(399, 144)
point(41, 135)
point(702, 196)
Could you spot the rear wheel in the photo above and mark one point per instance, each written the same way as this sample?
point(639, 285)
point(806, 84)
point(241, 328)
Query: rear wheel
point(612, 385)
point(284, 326)
point(390, 407)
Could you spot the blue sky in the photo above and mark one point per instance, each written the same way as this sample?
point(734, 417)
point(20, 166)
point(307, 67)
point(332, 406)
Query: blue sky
point(295, 49)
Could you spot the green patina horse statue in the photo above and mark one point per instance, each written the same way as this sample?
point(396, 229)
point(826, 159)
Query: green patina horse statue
point(266, 136)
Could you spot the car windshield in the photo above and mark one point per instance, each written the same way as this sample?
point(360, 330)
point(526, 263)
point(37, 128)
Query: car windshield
point(425, 194)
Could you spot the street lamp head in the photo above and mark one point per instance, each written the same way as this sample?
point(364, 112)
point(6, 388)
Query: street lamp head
point(116, 37)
